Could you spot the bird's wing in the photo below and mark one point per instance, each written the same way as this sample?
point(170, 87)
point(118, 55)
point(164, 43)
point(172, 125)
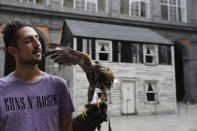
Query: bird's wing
point(68, 56)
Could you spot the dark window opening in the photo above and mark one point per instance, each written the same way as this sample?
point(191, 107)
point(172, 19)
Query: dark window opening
point(103, 56)
point(88, 46)
point(150, 93)
point(150, 96)
point(149, 59)
point(79, 44)
point(150, 55)
point(102, 48)
point(150, 87)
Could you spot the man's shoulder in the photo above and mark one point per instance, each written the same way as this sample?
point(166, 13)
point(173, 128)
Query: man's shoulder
point(5, 80)
point(55, 79)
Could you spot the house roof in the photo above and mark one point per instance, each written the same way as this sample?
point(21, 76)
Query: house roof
point(114, 32)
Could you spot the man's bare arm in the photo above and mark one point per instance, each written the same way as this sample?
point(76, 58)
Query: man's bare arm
point(66, 122)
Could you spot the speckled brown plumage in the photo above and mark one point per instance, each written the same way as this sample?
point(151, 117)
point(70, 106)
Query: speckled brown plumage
point(98, 76)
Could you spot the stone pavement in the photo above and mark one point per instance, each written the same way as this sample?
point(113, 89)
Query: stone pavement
point(184, 120)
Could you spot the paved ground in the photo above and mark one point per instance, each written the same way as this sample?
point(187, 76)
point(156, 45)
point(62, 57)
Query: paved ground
point(184, 120)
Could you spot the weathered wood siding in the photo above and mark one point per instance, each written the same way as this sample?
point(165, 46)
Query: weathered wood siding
point(139, 73)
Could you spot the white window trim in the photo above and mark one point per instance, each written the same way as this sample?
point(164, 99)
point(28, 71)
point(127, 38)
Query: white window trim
point(85, 48)
point(156, 83)
point(96, 2)
point(155, 56)
point(183, 6)
point(97, 49)
point(34, 1)
point(75, 43)
point(139, 9)
point(74, 5)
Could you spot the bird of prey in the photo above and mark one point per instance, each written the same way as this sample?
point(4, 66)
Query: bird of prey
point(98, 76)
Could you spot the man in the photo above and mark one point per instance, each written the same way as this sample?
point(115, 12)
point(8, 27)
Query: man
point(31, 100)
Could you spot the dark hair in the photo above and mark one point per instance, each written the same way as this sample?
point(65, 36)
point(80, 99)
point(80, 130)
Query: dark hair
point(10, 35)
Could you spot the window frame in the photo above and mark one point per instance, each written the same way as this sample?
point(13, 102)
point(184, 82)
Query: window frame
point(155, 55)
point(147, 11)
point(97, 42)
point(182, 6)
point(85, 5)
point(154, 83)
point(34, 2)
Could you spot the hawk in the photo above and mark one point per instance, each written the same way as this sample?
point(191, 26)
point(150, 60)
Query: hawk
point(98, 75)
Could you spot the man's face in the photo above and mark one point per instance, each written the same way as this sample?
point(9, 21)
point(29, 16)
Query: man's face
point(29, 47)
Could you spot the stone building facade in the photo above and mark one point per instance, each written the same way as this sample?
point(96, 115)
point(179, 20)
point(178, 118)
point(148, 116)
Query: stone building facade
point(142, 88)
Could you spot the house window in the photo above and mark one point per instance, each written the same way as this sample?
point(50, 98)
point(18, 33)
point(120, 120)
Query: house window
point(67, 3)
point(164, 55)
point(79, 4)
point(150, 54)
point(140, 8)
point(173, 10)
point(91, 5)
point(88, 5)
point(151, 91)
point(103, 50)
point(35, 1)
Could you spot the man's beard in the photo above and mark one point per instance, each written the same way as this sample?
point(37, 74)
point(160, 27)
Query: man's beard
point(30, 62)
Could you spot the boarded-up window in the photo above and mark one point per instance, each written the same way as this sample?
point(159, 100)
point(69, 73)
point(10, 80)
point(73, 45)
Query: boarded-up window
point(164, 55)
